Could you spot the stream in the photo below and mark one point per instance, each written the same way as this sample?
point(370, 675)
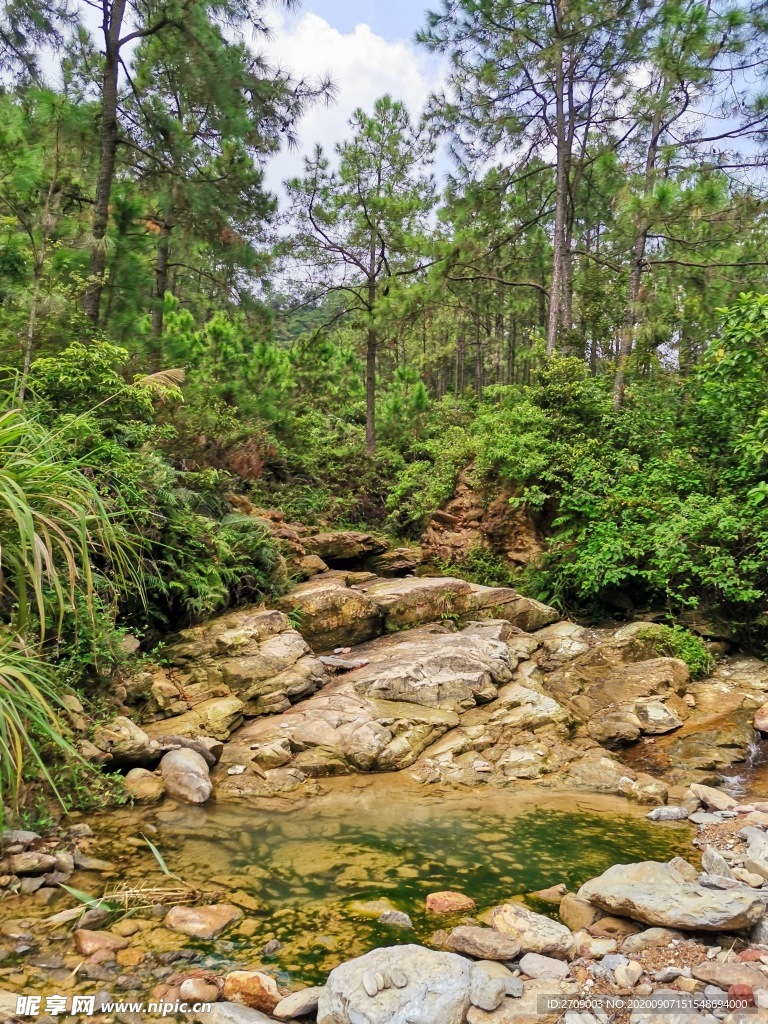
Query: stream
point(306, 870)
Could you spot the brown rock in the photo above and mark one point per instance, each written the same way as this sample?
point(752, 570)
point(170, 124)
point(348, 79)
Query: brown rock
point(88, 942)
point(484, 943)
point(576, 913)
point(725, 975)
point(202, 922)
point(252, 988)
point(448, 902)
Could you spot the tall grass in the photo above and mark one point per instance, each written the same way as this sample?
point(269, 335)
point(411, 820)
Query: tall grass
point(56, 535)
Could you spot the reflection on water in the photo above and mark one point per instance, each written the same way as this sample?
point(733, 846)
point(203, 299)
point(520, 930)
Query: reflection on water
point(310, 868)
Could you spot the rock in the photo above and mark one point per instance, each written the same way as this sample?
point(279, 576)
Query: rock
point(592, 947)
point(217, 717)
point(668, 814)
point(512, 983)
point(485, 943)
point(534, 932)
point(143, 786)
point(552, 894)
point(613, 928)
point(658, 894)
point(398, 561)
point(449, 903)
point(345, 545)
point(651, 938)
point(298, 1004)
point(713, 798)
point(436, 988)
point(725, 975)
point(126, 743)
point(645, 789)
point(537, 966)
point(19, 837)
point(485, 992)
point(332, 614)
point(202, 922)
point(413, 600)
point(253, 989)
point(185, 775)
point(628, 975)
point(576, 913)
point(30, 863)
point(529, 1008)
point(88, 942)
point(756, 855)
point(396, 918)
point(198, 990)
point(713, 863)
point(232, 1013)
point(760, 721)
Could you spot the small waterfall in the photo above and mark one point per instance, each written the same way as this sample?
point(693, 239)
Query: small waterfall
point(753, 765)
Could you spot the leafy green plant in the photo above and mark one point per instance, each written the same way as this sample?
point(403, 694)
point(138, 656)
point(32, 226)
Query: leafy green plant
point(678, 642)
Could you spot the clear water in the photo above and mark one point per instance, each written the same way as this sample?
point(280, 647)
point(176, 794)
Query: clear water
point(311, 865)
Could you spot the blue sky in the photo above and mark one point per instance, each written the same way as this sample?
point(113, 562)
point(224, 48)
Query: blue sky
point(393, 19)
point(367, 47)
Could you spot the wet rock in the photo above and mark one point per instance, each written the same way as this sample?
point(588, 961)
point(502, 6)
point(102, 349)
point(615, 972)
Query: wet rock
point(202, 922)
point(645, 789)
point(298, 1004)
point(533, 932)
point(125, 742)
point(668, 814)
point(87, 862)
point(144, 787)
point(185, 776)
point(396, 918)
point(485, 943)
point(658, 894)
point(29, 863)
point(253, 989)
point(449, 903)
point(89, 942)
point(19, 837)
point(198, 990)
point(436, 988)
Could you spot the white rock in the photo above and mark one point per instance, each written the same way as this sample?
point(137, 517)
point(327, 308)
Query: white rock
point(537, 966)
point(437, 989)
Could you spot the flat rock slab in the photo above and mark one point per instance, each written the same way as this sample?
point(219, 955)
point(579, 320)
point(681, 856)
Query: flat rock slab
point(658, 894)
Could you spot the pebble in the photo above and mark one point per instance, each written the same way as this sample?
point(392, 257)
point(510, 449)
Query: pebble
point(369, 983)
point(396, 918)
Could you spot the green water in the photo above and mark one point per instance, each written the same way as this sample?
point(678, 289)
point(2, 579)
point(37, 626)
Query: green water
point(310, 868)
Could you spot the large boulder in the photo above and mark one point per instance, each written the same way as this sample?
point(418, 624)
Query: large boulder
point(397, 985)
point(407, 602)
point(332, 614)
point(659, 894)
point(185, 775)
point(534, 933)
point(218, 717)
point(126, 743)
point(345, 545)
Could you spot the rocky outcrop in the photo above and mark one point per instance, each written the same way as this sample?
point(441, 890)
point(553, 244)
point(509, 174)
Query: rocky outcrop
point(335, 609)
point(248, 662)
point(661, 894)
point(470, 520)
point(412, 689)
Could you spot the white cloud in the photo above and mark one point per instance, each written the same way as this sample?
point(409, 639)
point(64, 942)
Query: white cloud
point(363, 67)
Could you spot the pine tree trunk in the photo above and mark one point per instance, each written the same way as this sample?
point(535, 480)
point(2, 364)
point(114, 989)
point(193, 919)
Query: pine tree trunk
point(113, 20)
point(161, 287)
point(554, 317)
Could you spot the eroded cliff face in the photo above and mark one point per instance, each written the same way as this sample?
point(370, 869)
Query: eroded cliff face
point(474, 519)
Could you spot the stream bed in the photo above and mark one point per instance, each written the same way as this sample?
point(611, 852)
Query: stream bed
point(303, 869)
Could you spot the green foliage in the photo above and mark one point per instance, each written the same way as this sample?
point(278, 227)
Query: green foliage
point(677, 642)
